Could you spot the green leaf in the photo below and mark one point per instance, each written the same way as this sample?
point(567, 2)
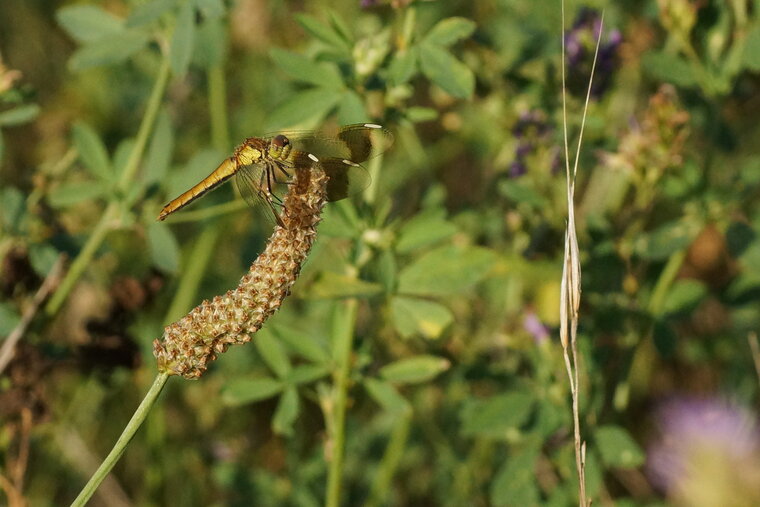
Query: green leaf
point(242, 391)
point(387, 396)
point(286, 412)
point(522, 194)
point(414, 370)
point(12, 208)
point(42, 257)
point(326, 34)
point(450, 31)
point(664, 241)
point(446, 270)
point(306, 373)
point(340, 26)
point(160, 149)
point(351, 109)
point(68, 194)
point(617, 448)
point(109, 50)
point(150, 11)
point(303, 69)
point(182, 40)
point(92, 152)
point(515, 482)
point(424, 229)
point(684, 295)
point(19, 115)
point(451, 75)
point(272, 353)
point(211, 43)
point(304, 106)
point(163, 246)
point(669, 68)
point(417, 114)
point(403, 66)
point(330, 285)
point(413, 316)
point(303, 343)
point(9, 319)
point(752, 49)
point(88, 23)
point(497, 416)
point(340, 220)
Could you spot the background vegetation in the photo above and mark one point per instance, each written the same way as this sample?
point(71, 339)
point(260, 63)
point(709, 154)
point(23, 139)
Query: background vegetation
point(430, 303)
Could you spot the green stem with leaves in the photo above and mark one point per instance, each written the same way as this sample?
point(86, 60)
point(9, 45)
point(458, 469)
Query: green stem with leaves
point(121, 444)
point(112, 211)
point(343, 334)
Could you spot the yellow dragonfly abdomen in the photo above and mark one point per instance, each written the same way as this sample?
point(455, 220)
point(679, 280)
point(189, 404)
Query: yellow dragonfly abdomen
point(225, 171)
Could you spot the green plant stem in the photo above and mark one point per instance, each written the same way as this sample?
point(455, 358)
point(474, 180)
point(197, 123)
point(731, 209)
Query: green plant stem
point(121, 444)
point(391, 458)
point(146, 127)
point(343, 333)
point(667, 277)
point(192, 273)
point(217, 101)
point(111, 212)
point(83, 259)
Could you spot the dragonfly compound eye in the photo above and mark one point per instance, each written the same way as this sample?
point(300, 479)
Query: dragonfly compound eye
point(280, 141)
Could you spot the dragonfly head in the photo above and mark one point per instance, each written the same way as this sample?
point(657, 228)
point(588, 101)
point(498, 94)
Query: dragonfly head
point(280, 141)
point(279, 147)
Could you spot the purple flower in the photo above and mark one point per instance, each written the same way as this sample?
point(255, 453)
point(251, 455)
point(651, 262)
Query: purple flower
point(532, 133)
point(516, 169)
point(708, 451)
point(580, 45)
point(533, 325)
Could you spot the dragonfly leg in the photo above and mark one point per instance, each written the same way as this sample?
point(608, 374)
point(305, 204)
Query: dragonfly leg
point(268, 198)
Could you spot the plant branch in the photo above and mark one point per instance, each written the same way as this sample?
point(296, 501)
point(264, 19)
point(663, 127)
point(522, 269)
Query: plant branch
point(343, 332)
point(121, 444)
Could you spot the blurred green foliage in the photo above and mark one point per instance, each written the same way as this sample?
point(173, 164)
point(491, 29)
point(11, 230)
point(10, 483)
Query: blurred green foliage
point(455, 396)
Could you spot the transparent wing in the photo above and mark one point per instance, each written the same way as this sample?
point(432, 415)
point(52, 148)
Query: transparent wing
point(345, 178)
point(249, 180)
point(356, 143)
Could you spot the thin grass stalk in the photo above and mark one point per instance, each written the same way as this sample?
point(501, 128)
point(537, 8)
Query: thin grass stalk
point(571, 275)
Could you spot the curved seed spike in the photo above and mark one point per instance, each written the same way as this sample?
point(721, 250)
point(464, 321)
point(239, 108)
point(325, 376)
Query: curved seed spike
point(188, 345)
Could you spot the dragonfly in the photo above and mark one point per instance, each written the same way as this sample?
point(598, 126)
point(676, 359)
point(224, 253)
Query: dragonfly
point(261, 165)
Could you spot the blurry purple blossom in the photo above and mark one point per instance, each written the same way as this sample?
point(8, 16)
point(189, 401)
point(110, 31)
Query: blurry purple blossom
point(699, 439)
point(580, 45)
point(366, 4)
point(532, 133)
point(516, 169)
point(533, 325)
